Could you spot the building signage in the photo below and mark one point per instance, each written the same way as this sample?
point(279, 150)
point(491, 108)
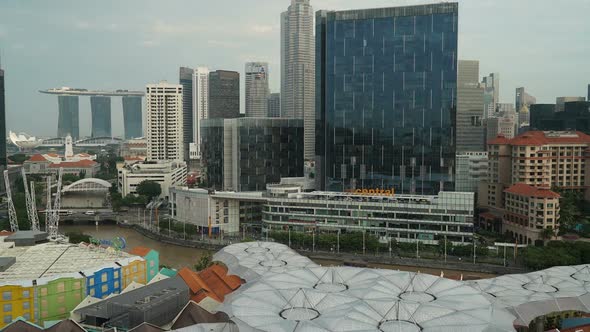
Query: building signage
point(117, 243)
point(373, 192)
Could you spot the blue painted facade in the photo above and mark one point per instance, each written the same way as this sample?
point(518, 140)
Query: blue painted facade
point(104, 282)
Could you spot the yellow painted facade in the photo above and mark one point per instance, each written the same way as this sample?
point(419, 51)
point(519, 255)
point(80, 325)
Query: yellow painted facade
point(16, 301)
point(133, 272)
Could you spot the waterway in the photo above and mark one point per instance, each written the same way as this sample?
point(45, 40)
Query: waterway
point(178, 257)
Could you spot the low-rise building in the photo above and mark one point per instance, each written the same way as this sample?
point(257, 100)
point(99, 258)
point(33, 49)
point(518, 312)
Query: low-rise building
point(51, 163)
point(165, 173)
point(405, 218)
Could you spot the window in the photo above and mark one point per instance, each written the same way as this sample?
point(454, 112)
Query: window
point(116, 284)
point(116, 274)
point(60, 299)
point(43, 314)
point(77, 285)
point(7, 295)
point(91, 281)
point(26, 294)
point(44, 303)
point(92, 292)
point(104, 288)
point(103, 278)
point(152, 264)
point(61, 287)
point(26, 305)
point(7, 307)
point(27, 316)
point(134, 268)
point(7, 319)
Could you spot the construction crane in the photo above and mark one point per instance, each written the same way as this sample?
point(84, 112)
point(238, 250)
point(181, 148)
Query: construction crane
point(54, 220)
point(11, 211)
point(35, 225)
point(48, 212)
point(30, 200)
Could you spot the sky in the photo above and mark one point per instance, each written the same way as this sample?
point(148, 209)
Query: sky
point(542, 45)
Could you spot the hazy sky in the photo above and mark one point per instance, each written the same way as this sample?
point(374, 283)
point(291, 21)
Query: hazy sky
point(543, 45)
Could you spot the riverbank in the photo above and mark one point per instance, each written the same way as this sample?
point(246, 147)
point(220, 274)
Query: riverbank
point(457, 268)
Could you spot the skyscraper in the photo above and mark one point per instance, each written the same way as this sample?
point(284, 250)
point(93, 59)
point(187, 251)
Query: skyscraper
point(491, 97)
point(224, 94)
point(588, 98)
point(164, 122)
point(274, 105)
point(186, 80)
point(3, 163)
point(470, 129)
point(68, 122)
point(257, 89)
point(386, 84)
point(523, 99)
point(132, 117)
point(100, 108)
point(200, 109)
point(298, 69)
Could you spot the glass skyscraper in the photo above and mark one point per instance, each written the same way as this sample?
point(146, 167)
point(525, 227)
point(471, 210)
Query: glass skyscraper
point(132, 120)
point(100, 108)
point(68, 122)
point(186, 80)
point(386, 84)
point(224, 94)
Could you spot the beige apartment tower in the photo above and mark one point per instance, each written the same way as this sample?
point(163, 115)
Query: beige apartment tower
point(164, 122)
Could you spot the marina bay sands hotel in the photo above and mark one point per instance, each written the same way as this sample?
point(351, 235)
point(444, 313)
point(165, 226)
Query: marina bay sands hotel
point(100, 108)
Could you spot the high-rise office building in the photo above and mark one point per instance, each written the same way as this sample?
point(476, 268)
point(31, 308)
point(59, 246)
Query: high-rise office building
point(274, 105)
point(575, 116)
point(224, 94)
point(186, 80)
point(164, 122)
point(257, 89)
point(386, 84)
point(588, 97)
point(246, 154)
point(68, 122)
point(470, 129)
point(3, 163)
point(100, 109)
point(200, 109)
point(491, 97)
point(298, 69)
point(132, 117)
point(560, 102)
point(523, 99)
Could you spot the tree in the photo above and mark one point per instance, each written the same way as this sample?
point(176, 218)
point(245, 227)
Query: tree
point(204, 262)
point(149, 189)
point(69, 178)
point(18, 158)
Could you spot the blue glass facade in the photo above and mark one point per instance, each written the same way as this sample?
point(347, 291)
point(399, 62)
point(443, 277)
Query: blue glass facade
point(68, 122)
point(132, 117)
point(386, 82)
point(100, 109)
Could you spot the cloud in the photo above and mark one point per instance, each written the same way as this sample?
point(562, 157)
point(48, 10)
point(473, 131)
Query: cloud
point(162, 27)
point(149, 43)
point(224, 44)
point(261, 29)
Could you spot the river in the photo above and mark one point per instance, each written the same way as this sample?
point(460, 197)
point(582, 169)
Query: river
point(178, 257)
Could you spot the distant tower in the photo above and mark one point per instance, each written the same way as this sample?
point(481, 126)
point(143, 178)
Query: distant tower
point(164, 121)
point(132, 117)
point(186, 80)
point(200, 109)
point(298, 69)
point(257, 91)
point(224, 94)
point(491, 94)
point(100, 109)
point(69, 147)
point(68, 121)
point(274, 105)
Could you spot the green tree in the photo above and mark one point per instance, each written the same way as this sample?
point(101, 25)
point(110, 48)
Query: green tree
point(149, 189)
point(18, 158)
point(204, 262)
point(69, 178)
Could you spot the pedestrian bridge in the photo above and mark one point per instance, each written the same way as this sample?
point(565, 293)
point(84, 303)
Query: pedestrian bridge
point(88, 185)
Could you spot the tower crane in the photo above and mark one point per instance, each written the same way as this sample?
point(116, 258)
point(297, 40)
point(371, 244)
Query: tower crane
point(11, 211)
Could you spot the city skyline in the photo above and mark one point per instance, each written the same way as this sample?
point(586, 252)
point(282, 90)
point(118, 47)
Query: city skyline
point(132, 50)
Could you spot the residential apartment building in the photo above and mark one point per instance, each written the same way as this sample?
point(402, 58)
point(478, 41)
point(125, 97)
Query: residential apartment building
point(164, 121)
point(200, 109)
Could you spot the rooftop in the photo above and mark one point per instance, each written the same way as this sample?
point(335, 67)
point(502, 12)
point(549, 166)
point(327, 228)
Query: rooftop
point(537, 137)
point(84, 92)
point(51, 260)
point(74, 164)
point(527, 190)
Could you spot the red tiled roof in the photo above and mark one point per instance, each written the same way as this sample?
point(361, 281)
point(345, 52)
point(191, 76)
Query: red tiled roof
point(541, 138)
point(53, 155)
point(133, 158)
point(37, 158)
point(140, 251)
point(500, 139)
point(74, 164)
point(527, 190)
point(212, 282)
